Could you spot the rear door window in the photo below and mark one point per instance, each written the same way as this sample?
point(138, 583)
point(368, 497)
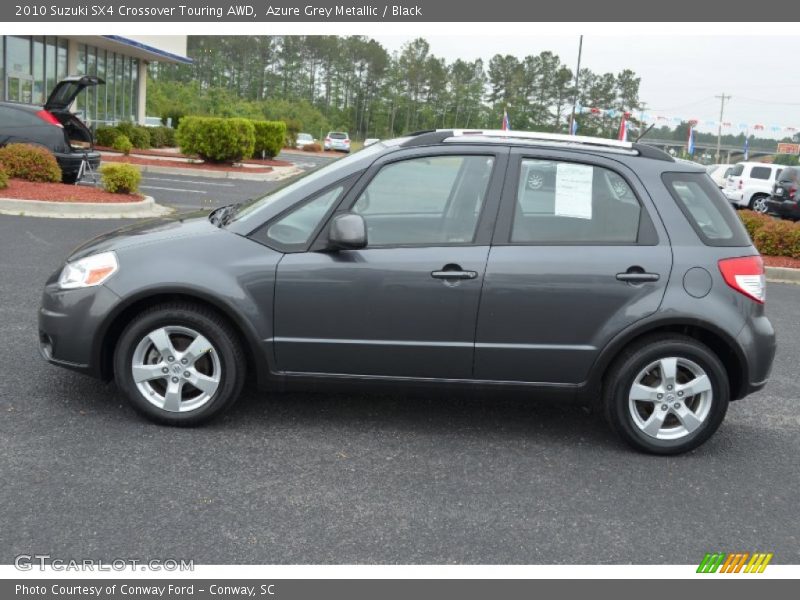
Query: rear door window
point(761, 172)
point(706, 209)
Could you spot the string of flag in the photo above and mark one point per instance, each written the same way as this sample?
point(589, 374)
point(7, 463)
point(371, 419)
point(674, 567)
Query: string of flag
point(654, 118)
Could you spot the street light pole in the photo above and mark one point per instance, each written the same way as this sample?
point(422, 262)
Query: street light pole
point(577, 80)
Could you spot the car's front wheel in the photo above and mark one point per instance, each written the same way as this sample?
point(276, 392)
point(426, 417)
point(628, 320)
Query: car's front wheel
point(179, 364)
point(666, 395)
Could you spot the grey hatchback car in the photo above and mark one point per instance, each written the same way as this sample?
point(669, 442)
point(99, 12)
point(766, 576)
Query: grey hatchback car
point(627, 283)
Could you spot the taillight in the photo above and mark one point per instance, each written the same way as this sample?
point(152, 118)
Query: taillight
point(327, 139)
point(746, 275)
point(47, 116)
point(741, 184)
point(792, 192)
point(347, 141)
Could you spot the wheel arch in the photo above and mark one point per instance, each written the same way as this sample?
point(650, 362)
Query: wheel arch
point(720, 342)
point(113, 326)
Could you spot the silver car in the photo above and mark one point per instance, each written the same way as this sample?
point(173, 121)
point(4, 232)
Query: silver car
point(337, 140)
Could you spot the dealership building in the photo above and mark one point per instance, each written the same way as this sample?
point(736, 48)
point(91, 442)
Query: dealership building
point(30, 66)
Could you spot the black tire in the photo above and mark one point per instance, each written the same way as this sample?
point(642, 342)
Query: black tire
point(215, 329)
point(620, 378)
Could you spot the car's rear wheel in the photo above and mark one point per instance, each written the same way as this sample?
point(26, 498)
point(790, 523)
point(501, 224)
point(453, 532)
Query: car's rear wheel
point(666, 395)
point(758, 204)
point(179, 364)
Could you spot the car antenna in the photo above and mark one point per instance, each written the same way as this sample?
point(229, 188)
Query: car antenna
point(645, 132)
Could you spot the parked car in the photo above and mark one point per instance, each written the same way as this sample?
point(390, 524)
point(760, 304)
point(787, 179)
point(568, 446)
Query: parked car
point(303, 140)
point(421, 261)
point(337, 140)
point(153, 122)
point(370, 141)
point(749, 184)
point(53, 126)
point(719, 174)
point(785, 201)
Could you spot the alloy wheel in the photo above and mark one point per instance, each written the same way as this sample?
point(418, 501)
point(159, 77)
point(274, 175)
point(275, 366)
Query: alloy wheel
point(670, 398)
point(176, 368)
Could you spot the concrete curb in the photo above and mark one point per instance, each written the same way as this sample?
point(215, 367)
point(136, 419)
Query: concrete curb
point(783, 275)
point(276, 174)
point(83, 210)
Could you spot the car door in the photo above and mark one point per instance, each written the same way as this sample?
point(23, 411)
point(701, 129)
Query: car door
point(406, 304)
point(574, 261)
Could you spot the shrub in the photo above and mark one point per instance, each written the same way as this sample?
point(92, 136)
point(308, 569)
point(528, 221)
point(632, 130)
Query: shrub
point(29, 162)
point(778, 238)
point(3, 178)
point(315, 147)
point(753, 221)
point(139, 135)
point(162, 137)
point(172, 118)
point(217, 139)
point(293, 127)
point(270, 136)
point(105, 136)
point(120, 178)
point(122, 144)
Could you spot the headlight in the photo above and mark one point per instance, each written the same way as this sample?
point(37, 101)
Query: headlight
point(88, 271)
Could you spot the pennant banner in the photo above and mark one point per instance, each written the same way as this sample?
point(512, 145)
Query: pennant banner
point(650, 118)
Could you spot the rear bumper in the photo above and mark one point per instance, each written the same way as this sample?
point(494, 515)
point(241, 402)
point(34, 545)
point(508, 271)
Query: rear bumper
point(734, 196)
point(784, 208)
point(757, 341)
point(70, 162)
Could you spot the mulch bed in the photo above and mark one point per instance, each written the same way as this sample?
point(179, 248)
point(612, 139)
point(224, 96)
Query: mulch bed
point(60, 192)
point(165, 154)
point(154, 162)
point(782, 261)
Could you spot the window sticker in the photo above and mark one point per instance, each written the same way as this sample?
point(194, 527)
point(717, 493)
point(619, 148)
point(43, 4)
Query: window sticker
point(574, 191)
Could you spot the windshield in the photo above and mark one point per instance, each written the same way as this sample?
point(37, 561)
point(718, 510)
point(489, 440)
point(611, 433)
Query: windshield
point(249, 208)
point(304, 136)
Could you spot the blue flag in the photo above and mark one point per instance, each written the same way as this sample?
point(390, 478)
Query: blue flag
point(690, 141)
point(746, 148)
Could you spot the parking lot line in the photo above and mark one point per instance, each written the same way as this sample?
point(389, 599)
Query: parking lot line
point(168, 189)
point(190, 181)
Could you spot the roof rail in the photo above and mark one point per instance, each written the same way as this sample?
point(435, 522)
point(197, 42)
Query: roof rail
point(427, 137)
point(541, 136)
point(649, 151)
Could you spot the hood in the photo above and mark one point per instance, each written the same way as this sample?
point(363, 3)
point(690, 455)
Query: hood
point(66, 90)
point(148, 232)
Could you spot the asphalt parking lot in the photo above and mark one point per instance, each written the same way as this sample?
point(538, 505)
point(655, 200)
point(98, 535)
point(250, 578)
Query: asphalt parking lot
point(365, 478)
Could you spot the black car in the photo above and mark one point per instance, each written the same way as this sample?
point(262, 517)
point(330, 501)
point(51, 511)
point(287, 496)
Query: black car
point(785, 201)
point(53, 126)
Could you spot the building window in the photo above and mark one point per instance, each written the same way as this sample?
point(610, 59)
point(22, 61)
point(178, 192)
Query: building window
point(18, 63)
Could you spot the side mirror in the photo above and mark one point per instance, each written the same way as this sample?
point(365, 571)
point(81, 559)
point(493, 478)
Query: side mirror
point(348, 232)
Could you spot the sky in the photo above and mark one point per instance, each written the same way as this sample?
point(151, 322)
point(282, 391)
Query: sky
point(681, 75)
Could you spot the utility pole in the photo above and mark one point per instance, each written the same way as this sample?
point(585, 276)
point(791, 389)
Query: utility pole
point(722, 99)
point(577, 80)
point(642, 109)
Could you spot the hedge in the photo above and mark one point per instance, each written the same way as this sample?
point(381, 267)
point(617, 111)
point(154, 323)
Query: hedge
point(30, 162)
point(216, 139)
point(120, 178)
point(3, 178)
point(270, 136)
point(122, 144)
point(770, 236)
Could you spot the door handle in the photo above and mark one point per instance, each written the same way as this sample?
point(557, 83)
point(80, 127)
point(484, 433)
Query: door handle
point(454, 274)
point(637, 275)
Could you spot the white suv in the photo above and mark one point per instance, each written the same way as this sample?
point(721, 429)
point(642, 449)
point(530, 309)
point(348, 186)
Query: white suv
point(749, 184)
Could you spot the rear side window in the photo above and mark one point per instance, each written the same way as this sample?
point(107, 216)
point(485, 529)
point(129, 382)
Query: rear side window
point(736, 170)
point(569, 203)
point(761, 172)
point(709, 213)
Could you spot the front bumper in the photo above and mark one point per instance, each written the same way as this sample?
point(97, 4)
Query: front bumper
point(70, 323)
point(788, 209)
